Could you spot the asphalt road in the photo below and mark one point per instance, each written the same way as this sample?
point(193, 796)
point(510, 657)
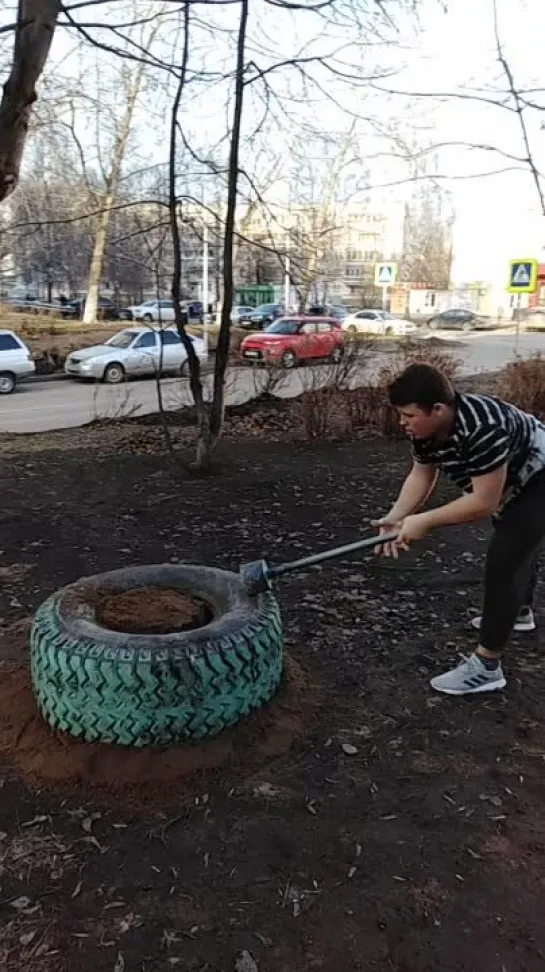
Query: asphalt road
point(43, 406)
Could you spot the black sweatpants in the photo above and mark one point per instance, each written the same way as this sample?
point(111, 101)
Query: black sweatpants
point(511, 563)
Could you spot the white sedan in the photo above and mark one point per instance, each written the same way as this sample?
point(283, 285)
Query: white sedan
point(153, 310)
point(134, 352)
point(377, 322)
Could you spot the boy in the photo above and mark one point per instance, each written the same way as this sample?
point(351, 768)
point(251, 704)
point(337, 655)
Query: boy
point(495, 454)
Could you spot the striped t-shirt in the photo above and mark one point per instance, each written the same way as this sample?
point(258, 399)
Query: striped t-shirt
point(487, 434)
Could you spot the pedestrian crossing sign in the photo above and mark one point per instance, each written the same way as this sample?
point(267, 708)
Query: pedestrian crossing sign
point(385, 274)
point(522, 276)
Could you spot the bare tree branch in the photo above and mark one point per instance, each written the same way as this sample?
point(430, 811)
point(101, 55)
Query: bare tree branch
point(519, 108)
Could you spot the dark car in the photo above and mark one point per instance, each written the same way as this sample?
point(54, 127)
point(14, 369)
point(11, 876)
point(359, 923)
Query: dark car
point(241, 315)
point(106, 309)
point(265, 314)
point(328, 310)
point(459, 318)
point(195, 312)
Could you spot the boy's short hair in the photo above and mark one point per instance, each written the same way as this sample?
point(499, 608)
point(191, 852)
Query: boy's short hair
point(421, 385)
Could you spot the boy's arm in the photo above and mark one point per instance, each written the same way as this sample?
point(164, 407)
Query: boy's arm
point(417, 488)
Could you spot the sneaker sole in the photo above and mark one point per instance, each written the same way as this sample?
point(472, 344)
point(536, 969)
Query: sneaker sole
point(487, 687)
point(521, 626)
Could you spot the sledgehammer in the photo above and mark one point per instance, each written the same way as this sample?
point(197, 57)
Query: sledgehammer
point(258, 576)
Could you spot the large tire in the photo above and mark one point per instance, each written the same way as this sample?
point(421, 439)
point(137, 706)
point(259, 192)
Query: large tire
point(143, 690)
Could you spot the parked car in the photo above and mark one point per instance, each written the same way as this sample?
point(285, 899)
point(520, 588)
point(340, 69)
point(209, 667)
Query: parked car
point(242, 315)
point(16, 361)
point(153, 310)
point(377, 322)
point(265, 314)
point(162, 311)
point(533, 318)
point(106, 309)
point(328, 310)
point(131, 353)
point(460, 318)
point(290, 340)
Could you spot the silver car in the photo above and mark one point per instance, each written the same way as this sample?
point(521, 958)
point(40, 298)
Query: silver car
point(16, 361)
point(134, 352)
point(153, 310)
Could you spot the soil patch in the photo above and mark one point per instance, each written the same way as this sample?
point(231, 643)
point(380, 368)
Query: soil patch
point(153, 610)
point(145, 778)
point(376, 826)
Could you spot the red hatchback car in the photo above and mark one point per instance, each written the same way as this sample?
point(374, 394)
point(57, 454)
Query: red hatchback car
point(290, 340)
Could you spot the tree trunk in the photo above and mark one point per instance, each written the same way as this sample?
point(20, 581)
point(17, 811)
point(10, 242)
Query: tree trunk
point(103, 219)
point(195, 382)
point(222, 350)
point(36, 22)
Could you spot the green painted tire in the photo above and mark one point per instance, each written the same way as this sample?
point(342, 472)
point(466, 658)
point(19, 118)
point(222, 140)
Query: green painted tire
point(154, 690)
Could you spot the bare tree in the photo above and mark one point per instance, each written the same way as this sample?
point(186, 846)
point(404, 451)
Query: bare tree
point(427, 231)
point(36, 22)
point(131, 76)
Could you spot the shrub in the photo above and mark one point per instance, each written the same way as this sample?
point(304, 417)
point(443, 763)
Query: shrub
point(369, 405)
point(334, 406)
point(522, 382)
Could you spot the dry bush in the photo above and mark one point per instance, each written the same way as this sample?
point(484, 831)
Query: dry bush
point(522, 382)
point(373, 408)
point(412, 353)
point(323, 403)
point(334, 406)
point(368, 408)
point(268, 380)
point(323, 413)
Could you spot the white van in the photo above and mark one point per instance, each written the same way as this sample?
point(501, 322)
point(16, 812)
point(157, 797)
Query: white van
point(16, 361)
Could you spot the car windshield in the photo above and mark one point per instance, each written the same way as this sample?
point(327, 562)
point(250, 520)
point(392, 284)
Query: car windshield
point(265, 308)
point(282, 327)
point(122, 340)
point(385, 316)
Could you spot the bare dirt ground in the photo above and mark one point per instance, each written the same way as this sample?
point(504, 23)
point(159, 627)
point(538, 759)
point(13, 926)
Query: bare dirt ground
point(362, 823)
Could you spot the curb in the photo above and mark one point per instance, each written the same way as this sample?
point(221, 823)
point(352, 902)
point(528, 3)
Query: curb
point(56, 376)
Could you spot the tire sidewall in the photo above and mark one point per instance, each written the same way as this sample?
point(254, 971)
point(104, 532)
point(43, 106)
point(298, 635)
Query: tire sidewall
point(10, 380)
point(148, 690)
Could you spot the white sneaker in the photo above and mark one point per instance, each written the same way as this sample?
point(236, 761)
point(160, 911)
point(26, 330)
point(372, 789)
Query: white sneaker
point(469, 678)
point(525, 622)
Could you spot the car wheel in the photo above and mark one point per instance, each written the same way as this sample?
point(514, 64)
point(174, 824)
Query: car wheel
point(154, 689)
point(114, 374)
point(433, 324)
point(148, 318)
point(7, 382)
point(467, 326)
point(337, 354)
point(352, 328)
point(388, 330)
point(184, 369)
point(289, 359)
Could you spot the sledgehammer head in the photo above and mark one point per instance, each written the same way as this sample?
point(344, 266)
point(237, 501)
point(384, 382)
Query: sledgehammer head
point(255, 577)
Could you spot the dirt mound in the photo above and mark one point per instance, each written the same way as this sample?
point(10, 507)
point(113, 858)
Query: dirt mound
point(147, 778)
point(152, 610)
